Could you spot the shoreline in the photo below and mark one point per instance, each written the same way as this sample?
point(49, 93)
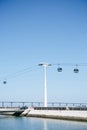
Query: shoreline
point(57, 114)
point(59, 118)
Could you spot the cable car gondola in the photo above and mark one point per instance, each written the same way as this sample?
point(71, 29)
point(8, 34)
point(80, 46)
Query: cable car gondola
point(4, 82)
point(76, 70)
point(59, 69)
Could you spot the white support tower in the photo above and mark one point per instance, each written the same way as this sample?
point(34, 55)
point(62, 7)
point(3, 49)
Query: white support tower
point(45, 83)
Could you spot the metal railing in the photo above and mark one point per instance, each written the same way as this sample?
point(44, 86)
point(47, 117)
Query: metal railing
point(39, 105)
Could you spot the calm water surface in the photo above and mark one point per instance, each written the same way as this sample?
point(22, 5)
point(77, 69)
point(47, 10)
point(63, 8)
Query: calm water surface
point(26, 123)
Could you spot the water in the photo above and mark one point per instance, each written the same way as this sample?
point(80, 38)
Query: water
point(26, 123)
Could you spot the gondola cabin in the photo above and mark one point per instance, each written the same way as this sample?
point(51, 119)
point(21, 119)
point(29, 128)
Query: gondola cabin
point(76, 70)
point(4, 82)
point(59, 69)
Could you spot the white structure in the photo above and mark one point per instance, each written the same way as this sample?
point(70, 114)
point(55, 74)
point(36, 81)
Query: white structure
point(78, 115)
point(45, 86)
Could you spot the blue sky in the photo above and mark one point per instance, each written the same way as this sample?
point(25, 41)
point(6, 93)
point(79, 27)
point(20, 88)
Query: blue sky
point(51, 31)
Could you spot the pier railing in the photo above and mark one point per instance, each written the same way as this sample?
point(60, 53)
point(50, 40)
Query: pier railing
point(39, 105)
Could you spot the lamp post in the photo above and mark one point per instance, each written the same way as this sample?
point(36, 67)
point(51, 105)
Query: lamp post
point(45, 86)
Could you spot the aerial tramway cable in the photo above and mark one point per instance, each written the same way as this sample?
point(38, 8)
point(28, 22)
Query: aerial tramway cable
point(17, 74)
point(31, 69)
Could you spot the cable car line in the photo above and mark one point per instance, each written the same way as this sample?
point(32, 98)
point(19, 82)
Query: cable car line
point(17, 74)
point(35, 67)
